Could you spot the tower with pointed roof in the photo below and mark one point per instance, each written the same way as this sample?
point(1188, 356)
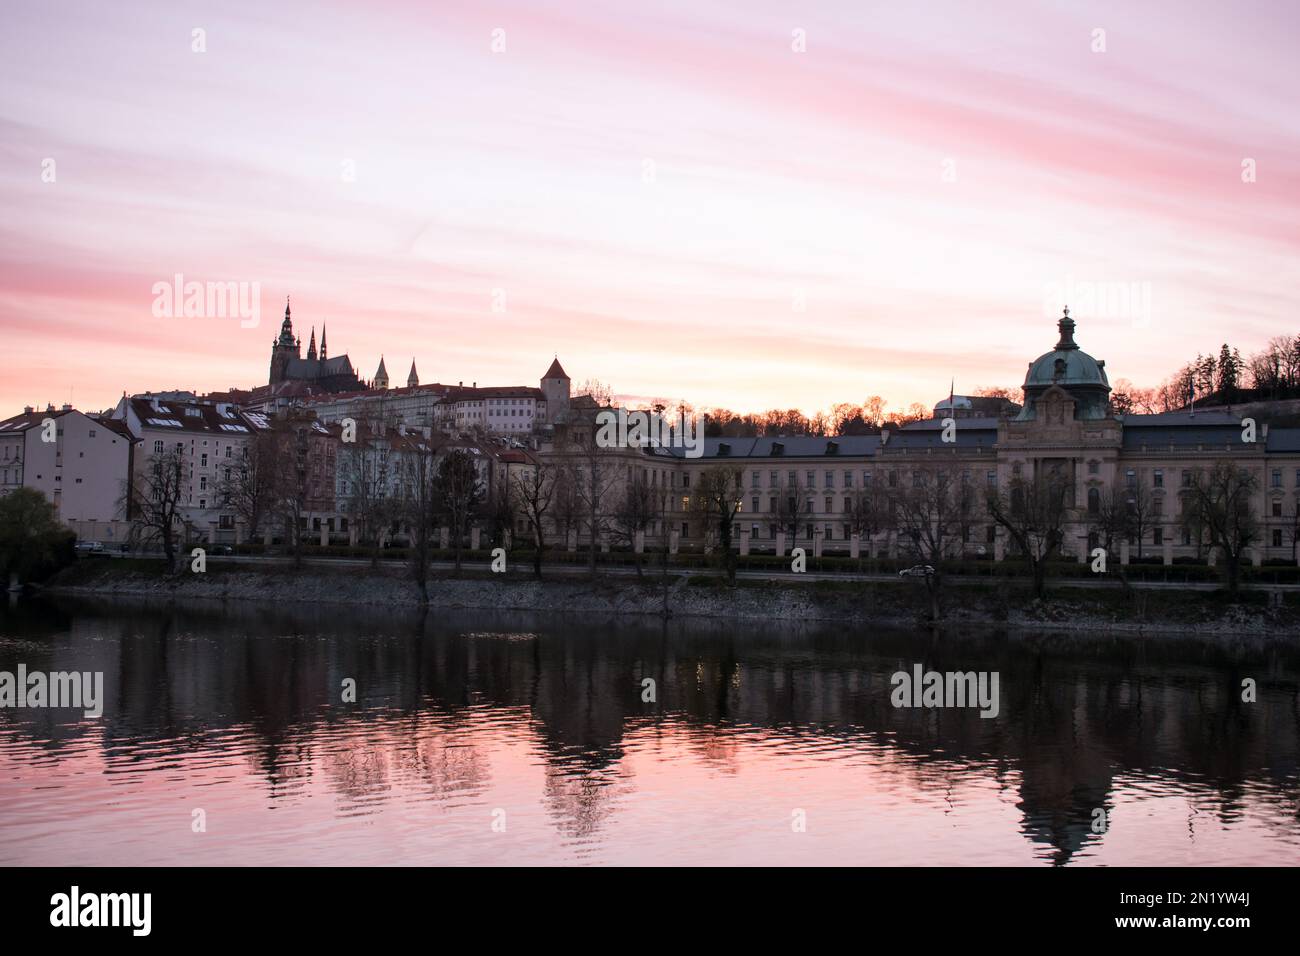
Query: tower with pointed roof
point(381, 375)
point(283, 349)
point(556, 386)
point(413, 379)
point(323, 374)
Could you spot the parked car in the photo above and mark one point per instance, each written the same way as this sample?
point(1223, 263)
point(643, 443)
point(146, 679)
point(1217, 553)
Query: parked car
point(917, 571)
point(90, 547)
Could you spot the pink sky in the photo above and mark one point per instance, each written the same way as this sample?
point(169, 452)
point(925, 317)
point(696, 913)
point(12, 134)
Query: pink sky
point(655, 188)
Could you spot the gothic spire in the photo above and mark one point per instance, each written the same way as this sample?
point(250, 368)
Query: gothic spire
point(323, 353)
point(311, 347)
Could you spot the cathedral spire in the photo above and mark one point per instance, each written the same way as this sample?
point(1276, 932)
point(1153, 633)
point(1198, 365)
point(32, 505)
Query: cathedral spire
point(413, 379)
point(323, 354)
point(311, 347)
point(381, 376)
point(286, 327)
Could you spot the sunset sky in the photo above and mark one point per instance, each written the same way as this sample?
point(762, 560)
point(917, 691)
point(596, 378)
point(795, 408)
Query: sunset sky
point(668, 195)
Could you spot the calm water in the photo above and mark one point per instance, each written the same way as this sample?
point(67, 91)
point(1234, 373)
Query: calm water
point(537, 722)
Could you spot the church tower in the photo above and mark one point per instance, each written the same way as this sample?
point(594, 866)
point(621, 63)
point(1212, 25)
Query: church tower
point(555, 386)
point(311, 347)
point(381, 376)
point(283, 349)
point(413, 379)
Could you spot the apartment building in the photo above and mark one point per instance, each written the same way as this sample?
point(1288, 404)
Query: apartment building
point(81, 464)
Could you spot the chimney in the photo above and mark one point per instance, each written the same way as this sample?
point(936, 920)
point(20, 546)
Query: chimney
point(67, 407)
point(27, 409)
point(474, 385)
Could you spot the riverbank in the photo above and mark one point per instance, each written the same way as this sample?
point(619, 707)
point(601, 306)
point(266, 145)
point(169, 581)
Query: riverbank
point(1003, 604)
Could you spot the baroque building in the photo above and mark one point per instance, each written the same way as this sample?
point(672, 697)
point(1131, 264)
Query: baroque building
point(806, 491)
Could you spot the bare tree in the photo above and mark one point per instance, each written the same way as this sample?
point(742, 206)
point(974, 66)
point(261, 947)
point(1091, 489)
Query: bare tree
point(717, 499)
point(593, 471)
point(368, 468)
point(792, 510)
point(1109, 518)
point(418, 505)
point(154, 500)
point(535, 491)
point(870, 512)
point(930, 516)
point(637, 508)
point(1140, 512)
point(248, 486)
point(459, 493)
point(1033, 512)
point(1217, 505)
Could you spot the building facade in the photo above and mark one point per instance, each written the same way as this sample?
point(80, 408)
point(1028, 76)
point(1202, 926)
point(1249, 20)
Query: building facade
point(82, 469)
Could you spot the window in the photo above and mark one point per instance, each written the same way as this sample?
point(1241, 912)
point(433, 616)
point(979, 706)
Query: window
point(686, 480)
point(1094, 467)
point(753, 481)
point(848, 479)
point(92, 433)
point(1277, 477)
point(1158, 506)
point(1187, 478)
point(812, 479)
point(157, 447)
point(991, 479)
point(829, 481)
point(848, 505)
point(1158, 536)
point(893, 479)
point(755, 504)
point(1277, 509)
point(1094, 501)
point(830, 505)
point(991, 533)
point(772, 481)
point(203, 461)
point(1131, 478)
point(1158, 478)
point(1277, 537)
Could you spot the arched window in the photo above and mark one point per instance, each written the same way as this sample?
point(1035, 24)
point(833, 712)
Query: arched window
point(1094, 501)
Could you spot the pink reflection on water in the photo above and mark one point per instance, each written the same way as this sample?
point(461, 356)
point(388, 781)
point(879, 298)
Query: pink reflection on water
point(388, 787)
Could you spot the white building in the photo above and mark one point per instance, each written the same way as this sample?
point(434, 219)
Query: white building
point(81, 465)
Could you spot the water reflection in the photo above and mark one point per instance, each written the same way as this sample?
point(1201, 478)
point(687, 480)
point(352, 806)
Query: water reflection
point(468, 719)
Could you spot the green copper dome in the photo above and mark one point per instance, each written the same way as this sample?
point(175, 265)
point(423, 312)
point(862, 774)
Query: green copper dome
point(1074, 370)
